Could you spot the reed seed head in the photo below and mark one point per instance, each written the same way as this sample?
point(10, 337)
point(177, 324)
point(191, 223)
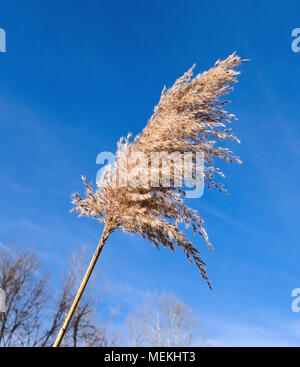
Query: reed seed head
point(190, 117)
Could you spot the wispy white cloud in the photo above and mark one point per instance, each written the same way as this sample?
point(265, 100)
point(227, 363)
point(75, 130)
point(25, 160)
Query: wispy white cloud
point(7, 183)
point(231, 333)
point(217, 213)
point(3, 246)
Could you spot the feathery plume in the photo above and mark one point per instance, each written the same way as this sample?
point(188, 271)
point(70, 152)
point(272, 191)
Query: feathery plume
point(190, 117)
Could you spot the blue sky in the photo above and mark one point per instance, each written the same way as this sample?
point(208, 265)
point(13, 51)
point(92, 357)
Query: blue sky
point(78, 75)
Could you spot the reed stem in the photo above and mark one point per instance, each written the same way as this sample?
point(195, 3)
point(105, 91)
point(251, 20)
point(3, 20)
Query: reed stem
point(83, 284)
